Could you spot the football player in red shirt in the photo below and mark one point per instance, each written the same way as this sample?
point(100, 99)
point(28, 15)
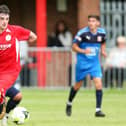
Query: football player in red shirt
point(10, 35)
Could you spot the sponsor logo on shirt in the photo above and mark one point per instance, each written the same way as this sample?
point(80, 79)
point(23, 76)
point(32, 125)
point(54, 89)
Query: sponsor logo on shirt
point(94, 51)
point(5, 46)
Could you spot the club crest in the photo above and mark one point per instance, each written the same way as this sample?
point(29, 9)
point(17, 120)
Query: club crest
point(99, 38)
point(8, 37)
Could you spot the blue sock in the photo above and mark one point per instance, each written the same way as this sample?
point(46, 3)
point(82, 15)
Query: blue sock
point(98, 98)
point(11, 104)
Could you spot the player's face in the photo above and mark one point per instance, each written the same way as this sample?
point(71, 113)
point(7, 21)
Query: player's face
point(4, 19)
point(92, 23)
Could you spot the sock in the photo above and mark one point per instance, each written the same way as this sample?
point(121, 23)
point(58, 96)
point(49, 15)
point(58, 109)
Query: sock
point(11, 104)
point(72, 95)
point(98, 100)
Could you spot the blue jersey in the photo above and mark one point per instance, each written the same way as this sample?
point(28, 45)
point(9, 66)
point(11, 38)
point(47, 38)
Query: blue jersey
point(89, 63)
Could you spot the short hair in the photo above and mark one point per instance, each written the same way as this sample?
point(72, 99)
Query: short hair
point(4, 9)
point(94, 16)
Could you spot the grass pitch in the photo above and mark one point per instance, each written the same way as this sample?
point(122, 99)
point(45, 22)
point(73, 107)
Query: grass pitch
point(47, 108)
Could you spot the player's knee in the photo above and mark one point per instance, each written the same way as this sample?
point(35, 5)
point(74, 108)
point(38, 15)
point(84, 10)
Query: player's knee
point(18, 97)
point(78, 85)
point(99, 86)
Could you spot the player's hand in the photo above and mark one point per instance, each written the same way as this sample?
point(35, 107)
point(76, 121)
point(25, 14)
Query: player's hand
point(87, 51)
point(104, 54)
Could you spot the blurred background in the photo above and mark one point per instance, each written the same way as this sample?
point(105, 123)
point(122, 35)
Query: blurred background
point(50, 63)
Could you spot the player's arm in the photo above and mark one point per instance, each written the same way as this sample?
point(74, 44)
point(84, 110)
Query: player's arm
point(75, 46)
point(103, 49)
point(103, 44)
point(32, 37)
point(77, 49)
point(24, 34)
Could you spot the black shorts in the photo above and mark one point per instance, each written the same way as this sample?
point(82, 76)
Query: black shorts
point(12, 92)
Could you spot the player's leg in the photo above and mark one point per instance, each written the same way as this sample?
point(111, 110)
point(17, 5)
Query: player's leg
point(15, 97)
point(2, 103)
point(99, 94)
point(72, 94)
point(2, 110)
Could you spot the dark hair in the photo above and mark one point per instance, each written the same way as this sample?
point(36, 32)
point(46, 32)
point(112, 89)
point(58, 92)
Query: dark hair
point(94, 16)
point(4, 9)
point(57, 27)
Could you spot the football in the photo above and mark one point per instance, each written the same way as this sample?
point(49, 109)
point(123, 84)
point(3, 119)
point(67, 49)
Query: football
point(19, 115)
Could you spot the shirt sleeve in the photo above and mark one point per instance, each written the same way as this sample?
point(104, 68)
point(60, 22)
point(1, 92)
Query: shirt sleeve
point(104, 38)
point(77, 38)
point(21, 33)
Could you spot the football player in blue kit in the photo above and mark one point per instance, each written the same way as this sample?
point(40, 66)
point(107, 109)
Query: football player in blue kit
point(88, 43)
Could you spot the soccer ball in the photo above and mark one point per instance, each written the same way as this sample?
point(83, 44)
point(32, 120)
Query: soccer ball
point(19, 115)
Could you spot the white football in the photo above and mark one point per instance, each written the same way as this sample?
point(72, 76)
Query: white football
point(19, 115)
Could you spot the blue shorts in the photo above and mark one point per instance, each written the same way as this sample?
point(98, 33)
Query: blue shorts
point(81, 73)
point(12, 92)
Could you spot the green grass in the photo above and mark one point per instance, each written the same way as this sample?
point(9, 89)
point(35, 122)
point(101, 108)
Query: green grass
point(47, 108)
